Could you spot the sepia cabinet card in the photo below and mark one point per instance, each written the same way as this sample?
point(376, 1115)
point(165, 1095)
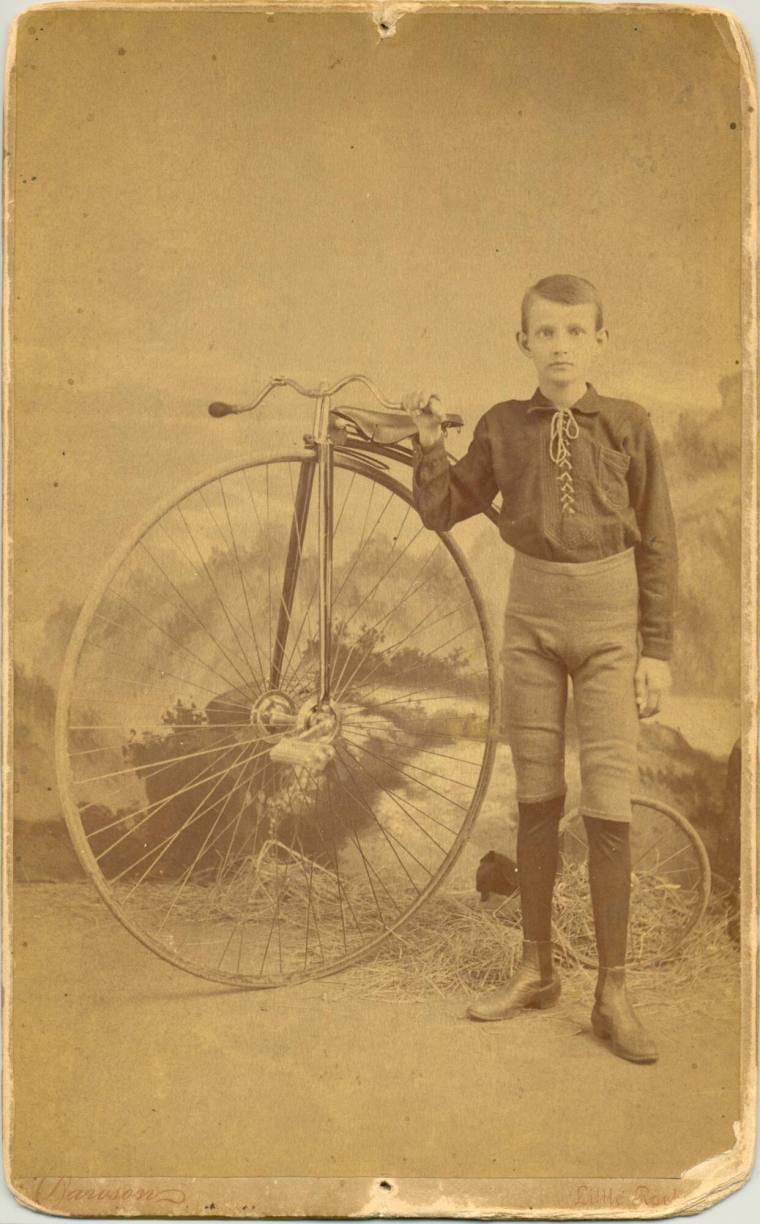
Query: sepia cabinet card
point(380, 572)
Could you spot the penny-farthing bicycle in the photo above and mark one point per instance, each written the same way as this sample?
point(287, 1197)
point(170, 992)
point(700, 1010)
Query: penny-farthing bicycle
point(278, 711)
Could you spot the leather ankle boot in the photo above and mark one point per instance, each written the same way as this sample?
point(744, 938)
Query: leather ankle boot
point(533, 984)
point(613, 1017)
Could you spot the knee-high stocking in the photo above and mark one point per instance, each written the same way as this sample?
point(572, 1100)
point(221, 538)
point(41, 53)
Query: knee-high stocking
point(537, 854)
point(609, 871)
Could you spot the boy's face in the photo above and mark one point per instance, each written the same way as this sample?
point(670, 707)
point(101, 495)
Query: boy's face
point(562, 341)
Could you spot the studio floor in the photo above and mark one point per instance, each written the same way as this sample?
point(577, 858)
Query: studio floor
point(125, 1066)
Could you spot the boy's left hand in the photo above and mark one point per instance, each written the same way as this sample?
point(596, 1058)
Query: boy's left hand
point(652, 680)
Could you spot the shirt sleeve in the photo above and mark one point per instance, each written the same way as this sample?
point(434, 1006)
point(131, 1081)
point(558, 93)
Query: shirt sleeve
point(657, 551)
point(446, 493)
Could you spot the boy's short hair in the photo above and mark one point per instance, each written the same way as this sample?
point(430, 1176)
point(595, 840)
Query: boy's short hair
point(570, 290)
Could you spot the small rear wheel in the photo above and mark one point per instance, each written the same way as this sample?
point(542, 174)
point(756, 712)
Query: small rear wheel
point(670, 885)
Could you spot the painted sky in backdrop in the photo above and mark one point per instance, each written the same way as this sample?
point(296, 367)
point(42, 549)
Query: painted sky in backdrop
point(205, 198)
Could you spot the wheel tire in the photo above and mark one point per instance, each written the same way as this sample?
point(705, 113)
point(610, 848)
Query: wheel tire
point(666, 905)
point(78, 667)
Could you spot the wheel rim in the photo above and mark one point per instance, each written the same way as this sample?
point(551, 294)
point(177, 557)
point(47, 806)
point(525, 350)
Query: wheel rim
point(670, 885)
point(221, 858)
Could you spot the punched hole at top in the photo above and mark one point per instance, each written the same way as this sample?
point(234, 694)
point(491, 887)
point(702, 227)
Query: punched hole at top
point(386, 26)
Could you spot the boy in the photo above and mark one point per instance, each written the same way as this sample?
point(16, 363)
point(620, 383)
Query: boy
point(585, 506)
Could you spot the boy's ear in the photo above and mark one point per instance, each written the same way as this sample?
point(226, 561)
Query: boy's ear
point(602, 337)
point(522, 343)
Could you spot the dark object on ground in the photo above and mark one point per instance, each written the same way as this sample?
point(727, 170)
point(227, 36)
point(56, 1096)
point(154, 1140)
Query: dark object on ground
point(496, 874)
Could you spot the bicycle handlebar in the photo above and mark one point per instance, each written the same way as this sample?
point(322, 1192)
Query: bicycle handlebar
point(219, 409)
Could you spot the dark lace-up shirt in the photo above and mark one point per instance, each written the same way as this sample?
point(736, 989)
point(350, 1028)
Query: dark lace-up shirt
point(576, 484)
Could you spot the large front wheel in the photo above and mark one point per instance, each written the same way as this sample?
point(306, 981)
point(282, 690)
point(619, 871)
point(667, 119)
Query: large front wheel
point(187, 717)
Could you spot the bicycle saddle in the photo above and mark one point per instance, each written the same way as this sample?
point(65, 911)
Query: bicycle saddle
point(387, 428)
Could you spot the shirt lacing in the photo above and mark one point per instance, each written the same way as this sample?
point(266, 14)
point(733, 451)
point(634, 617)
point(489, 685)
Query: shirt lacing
point(564, 428)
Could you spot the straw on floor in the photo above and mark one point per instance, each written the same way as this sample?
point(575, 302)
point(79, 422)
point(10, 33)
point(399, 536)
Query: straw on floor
point(453, 947)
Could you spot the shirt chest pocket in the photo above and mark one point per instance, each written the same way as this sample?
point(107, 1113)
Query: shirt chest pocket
point(612, 470)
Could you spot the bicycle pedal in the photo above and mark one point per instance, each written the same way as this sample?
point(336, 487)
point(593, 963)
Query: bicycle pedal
point(302, 753)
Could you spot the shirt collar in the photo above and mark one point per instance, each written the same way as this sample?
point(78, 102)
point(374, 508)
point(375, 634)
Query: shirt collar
point(588, 403)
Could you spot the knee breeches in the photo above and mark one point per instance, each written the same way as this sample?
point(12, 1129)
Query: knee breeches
point(573, 622)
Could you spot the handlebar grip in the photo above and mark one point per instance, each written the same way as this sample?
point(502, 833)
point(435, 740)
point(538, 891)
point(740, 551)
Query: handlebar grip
point(217, 409)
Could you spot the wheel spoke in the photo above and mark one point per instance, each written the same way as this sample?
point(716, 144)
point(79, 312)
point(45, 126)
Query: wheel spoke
point(309, 877)
point(235, 928)
point(205, 846)
point(429, 732)
point(386, 616)
point(275, 922)
point(186, 604)
point(205, 572)
point(425, 659)
point(243, 585)
point(215, 588)
point(397, 769)
point(394, 646)
point(369, 869)
point(259, 763)
point(660, 863)
point(374, 589)
point(359, 552)
point(201, 809)
point(152, 809)
point(226, 862)
point(205, 569)
point(395, 799)
point(161, 672)
point(389, 837)
point(442, 777)
point(230, 684)
point(187, 728)
point(383, 578)
point(336, 863)
point(147, 771)
point(366, 728)
point(379, 705)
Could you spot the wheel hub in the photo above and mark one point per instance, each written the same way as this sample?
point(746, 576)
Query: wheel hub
point(320, 723)
point(273, 713)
